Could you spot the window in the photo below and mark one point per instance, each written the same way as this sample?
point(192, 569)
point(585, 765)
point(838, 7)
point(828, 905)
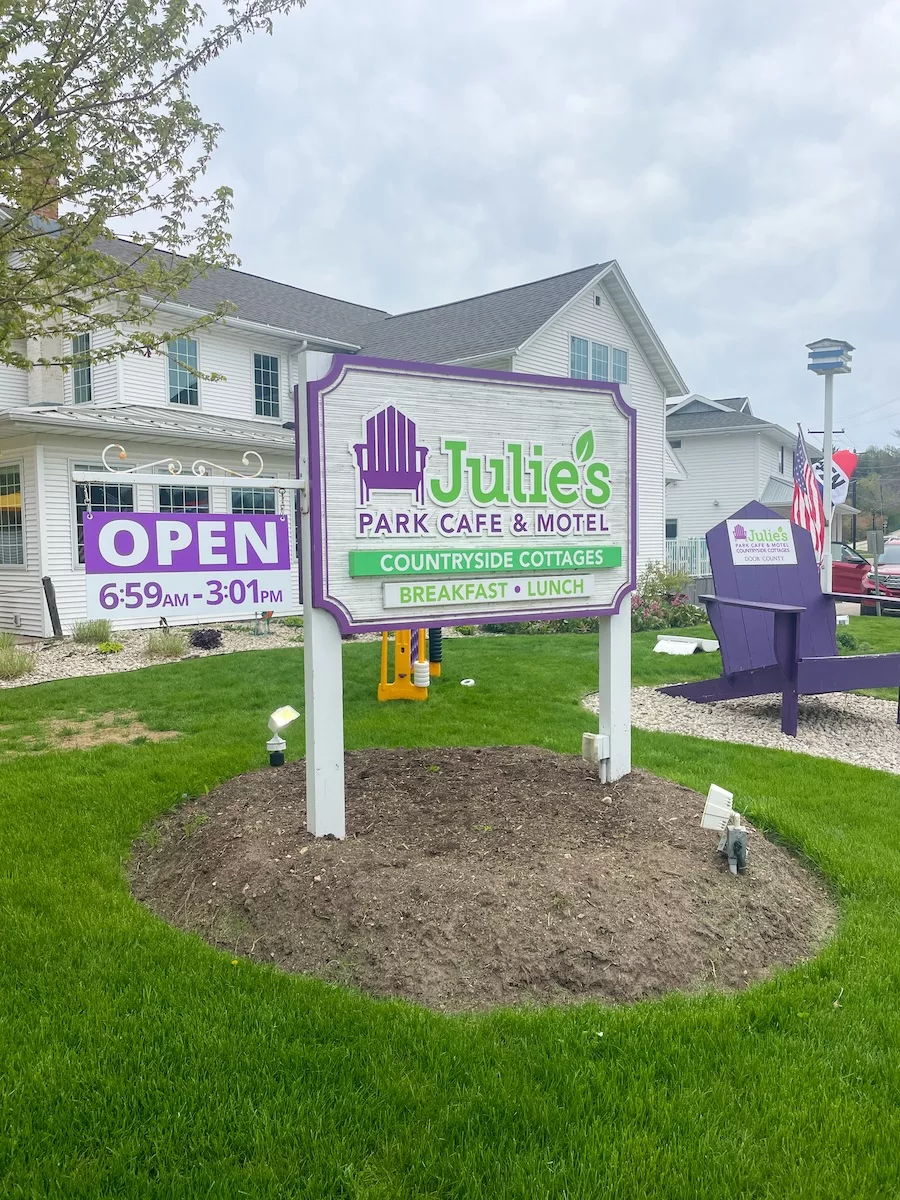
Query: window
point(578, 358)
point(249, 501)
point(675, 443)
point(104, 497)
point(672, 528)
point(12, 543)
point(184, 387)
point(597, 300)
point(81, 370)
point(183, 500)
point(265, 385)
point(620, 366)
point(781, 460)
point(599, 361)
point(588, 360)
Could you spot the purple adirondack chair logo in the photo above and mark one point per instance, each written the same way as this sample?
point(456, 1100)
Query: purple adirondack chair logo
point(740, 533)
point(389, 460)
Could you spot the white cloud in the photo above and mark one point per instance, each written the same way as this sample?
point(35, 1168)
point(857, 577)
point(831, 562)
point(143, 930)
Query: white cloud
point(739, 161)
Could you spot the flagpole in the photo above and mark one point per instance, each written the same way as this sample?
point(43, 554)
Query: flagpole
point(826, 480)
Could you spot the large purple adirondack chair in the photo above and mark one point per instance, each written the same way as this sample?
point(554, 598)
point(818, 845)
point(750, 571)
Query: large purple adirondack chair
point(389, 459)
point(776, 630)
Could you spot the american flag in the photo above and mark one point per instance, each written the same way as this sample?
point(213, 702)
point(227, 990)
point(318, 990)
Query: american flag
point(807, 509)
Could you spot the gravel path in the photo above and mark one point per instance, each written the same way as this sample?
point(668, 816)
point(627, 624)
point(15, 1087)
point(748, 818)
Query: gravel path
point(860, 730)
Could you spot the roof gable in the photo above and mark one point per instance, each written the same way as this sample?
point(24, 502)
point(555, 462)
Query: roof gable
point(494, 323)
point(497, 323)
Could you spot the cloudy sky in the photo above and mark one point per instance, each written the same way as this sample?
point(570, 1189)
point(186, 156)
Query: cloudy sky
point(740, 161)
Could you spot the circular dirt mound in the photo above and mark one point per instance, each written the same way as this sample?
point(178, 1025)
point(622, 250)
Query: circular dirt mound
point(472, 878)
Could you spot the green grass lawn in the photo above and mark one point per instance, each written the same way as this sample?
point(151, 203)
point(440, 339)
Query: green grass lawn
point(137, 1061)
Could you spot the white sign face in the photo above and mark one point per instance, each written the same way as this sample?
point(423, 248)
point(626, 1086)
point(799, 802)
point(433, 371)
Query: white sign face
point(761, 543)
point(478, 496)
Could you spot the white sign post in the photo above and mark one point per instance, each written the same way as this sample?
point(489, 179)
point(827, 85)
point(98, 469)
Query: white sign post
point(323, 676)
point(443, 495)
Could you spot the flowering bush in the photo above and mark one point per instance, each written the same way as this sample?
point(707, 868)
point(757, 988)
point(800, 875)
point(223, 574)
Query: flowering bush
point(659, 602)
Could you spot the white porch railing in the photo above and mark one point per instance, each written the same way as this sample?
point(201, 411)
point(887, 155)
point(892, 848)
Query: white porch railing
point(687, 556)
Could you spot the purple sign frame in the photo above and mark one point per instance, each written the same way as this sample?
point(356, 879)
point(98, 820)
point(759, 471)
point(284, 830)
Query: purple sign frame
point(218, 542)
point(316, 394)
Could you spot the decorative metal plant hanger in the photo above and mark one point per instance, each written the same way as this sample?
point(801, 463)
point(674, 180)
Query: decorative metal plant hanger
point(202, 472)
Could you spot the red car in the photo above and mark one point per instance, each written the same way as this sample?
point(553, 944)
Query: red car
point(848, 570)
point(888, 580)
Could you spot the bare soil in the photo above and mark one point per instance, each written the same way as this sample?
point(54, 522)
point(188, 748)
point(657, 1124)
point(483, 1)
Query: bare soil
point(84, 733)
point(472, 878)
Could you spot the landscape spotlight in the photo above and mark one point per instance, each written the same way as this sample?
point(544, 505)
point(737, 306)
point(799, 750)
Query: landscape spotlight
point(719, 814)
point(279, 720)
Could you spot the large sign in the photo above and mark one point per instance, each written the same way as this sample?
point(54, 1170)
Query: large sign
point(764, 543)
point(457, 496)
point(173, 564)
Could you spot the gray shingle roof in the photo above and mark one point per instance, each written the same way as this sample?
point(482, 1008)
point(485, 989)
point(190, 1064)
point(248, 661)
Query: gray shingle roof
point(735, 402)
point(712, 419)
point(265, 301)
point(478, 327)
point(489, 324)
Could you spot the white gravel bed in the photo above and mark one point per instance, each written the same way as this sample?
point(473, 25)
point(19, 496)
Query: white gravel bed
point(71, 660)
point(860, 730)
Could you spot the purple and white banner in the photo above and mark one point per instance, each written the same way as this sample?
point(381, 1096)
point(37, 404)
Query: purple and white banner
point(191, 563)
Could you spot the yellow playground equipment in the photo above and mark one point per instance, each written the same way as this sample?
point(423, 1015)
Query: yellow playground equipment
point(417, 659)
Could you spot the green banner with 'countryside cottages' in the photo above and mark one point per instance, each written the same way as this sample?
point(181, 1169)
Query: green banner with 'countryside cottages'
point(366, 563)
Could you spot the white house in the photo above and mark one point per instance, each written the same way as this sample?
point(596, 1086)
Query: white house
point(729, 457)
point(587, 323)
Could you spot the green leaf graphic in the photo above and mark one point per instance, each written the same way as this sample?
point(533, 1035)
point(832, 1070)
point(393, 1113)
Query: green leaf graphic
point(584, 445)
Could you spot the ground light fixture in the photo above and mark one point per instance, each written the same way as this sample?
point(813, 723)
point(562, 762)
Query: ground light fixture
point(719, 814)
point(279, 721)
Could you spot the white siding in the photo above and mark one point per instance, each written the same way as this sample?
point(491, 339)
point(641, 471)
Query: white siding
point(548, 354)
point(68, 576)
point(13, 387)
point(224, 351)
point(21, 596)
point(723, 475)
point(769, 459)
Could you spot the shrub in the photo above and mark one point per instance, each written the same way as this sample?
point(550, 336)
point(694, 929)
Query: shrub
point(165, 644)
point(92, 632)
point(466, 630)
point(15, 663)
point(659, 602)
point(563, 625)
point(848, 641)
point(110, 647)
point(7, 640)
point(205, 639)
point(292, 622)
